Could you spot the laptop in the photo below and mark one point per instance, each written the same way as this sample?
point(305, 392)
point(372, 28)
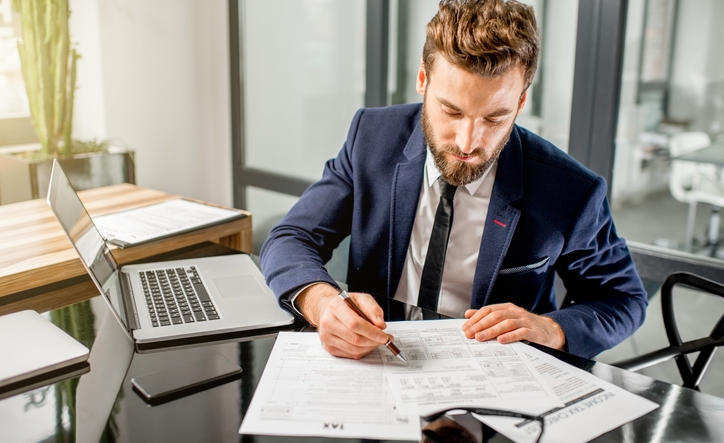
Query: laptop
point(171, 303)
point(35, 352)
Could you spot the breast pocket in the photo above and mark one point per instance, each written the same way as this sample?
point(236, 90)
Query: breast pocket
point(523, 272)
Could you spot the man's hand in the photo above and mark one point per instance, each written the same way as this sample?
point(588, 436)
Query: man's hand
point(343, 333)
point(509, 323)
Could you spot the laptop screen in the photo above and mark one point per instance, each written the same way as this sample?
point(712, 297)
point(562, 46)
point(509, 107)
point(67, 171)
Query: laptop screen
point(86, 239)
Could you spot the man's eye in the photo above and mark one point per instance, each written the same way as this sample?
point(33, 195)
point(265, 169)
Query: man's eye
point(494, 122)
point(450, 112)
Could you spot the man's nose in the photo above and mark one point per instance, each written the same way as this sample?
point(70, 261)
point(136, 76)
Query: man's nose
point(469, 136)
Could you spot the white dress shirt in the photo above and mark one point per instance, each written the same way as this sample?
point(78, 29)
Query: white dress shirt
point(470, 209)
point(470, 206)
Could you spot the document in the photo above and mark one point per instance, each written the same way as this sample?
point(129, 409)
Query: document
point(592, 406)
point(448, 369)
point(153, 222)
point(305, 391)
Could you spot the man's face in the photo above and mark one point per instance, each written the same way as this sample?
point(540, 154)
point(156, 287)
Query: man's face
point(466, 118)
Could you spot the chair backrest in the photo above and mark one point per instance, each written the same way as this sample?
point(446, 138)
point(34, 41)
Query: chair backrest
point(691, 375)
point(683, 173)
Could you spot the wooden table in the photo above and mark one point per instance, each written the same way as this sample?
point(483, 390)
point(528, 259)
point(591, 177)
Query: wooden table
point(40, 270)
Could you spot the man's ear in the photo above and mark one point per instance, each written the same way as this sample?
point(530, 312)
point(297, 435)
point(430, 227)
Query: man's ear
point(421, 81)
point(521, 104)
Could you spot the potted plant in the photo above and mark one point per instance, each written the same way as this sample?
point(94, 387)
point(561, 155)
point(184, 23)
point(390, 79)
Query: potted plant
point(49, 63)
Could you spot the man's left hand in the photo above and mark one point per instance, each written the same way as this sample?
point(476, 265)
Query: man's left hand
point(509, 323)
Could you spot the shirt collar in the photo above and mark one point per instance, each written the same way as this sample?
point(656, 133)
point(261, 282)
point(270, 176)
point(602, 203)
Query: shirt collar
point(433, 174)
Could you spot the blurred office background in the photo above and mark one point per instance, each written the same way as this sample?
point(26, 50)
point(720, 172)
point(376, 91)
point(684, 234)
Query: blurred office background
point(240, 102)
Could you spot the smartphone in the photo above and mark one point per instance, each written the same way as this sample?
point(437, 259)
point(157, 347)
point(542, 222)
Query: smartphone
point(179, 381)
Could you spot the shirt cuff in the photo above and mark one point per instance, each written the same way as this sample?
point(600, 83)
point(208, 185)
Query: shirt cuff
point(294, 296)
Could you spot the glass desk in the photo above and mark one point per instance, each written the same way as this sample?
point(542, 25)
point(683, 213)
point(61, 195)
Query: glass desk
point(713, 154)
point(100, 405)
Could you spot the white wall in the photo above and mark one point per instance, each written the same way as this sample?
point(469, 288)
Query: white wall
point(89, 120)
point(155, 76)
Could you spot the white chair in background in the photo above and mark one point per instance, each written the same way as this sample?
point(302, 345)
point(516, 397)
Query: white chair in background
point(691, 182)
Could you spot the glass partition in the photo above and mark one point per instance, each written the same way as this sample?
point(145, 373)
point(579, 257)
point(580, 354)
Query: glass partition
point(672, 100)
point(548, 110)
point(304, 78)
point(303, 75)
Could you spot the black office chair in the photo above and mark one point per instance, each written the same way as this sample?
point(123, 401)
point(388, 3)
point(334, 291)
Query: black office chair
point(678, 350)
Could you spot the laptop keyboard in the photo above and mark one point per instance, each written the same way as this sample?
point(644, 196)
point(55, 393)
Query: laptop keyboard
point(176, 296)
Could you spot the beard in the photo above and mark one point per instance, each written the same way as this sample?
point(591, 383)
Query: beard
point(453, 171)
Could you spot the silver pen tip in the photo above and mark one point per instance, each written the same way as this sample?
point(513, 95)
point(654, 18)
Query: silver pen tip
point(402, 357)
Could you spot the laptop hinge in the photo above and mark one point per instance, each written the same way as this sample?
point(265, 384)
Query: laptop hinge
point(130, 301)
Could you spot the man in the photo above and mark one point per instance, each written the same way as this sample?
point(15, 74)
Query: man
point(522, 210)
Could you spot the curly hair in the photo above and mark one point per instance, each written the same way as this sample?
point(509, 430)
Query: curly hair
point(484, 37)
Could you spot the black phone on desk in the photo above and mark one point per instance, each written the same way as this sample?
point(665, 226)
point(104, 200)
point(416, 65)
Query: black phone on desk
point(179, 381)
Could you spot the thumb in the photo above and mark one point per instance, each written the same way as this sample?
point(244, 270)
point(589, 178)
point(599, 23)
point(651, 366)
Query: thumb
point(371, 309)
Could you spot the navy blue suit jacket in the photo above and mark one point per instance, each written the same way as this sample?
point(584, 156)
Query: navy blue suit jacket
point(548, 214)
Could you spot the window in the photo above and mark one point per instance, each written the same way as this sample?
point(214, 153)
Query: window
point(15, 124)
point(672, 83)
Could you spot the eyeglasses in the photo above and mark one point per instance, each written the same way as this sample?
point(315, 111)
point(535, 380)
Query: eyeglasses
point(432, 435)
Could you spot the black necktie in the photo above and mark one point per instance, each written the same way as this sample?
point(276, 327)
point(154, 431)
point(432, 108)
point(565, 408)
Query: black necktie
point(431, 279)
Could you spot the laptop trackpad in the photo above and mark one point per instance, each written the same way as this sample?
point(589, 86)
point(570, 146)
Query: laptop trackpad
point(239, 286)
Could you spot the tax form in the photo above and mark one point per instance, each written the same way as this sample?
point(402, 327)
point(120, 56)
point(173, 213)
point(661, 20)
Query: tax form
point(304, 391)
point(592, 405)
point(448, 369)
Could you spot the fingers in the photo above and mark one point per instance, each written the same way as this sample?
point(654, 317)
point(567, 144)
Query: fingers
point(355, 329)
point(515, 335)
point(345, 334)
point(473, 324)
point(475, 316)
point(340, 348)
point(343, 322)
point(509, 323)
point(371, 309)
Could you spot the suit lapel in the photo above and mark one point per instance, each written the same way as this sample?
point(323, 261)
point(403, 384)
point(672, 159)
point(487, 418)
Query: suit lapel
point(406, 185)
point(501, 221)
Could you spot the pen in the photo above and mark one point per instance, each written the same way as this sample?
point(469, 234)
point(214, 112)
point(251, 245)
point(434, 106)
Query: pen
point(391, 346)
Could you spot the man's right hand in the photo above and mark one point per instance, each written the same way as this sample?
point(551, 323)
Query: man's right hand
point(343, 333)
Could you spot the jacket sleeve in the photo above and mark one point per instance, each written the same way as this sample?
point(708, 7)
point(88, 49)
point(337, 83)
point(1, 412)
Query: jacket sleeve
point(297, 249)
point(609, 301)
